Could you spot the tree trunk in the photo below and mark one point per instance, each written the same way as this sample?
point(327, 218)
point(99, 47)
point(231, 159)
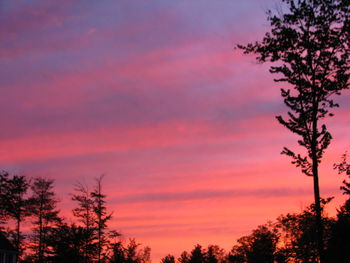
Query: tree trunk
point(18, 231)
point(40, 245)
point(317, 197)
point(99, 239)
point(319, 224)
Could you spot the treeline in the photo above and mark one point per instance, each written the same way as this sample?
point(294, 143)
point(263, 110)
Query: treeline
point(32, 202)
point(291, 238)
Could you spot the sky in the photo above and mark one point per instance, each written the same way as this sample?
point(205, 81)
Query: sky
point(153, 95)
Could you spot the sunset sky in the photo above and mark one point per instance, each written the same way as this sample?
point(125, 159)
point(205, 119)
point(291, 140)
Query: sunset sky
point(153, 95)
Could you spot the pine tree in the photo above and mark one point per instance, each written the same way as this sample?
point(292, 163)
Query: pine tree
point(197, 254)
point(67, 244)
point(168, 259)
point(14, 203)
point(4, 176)
point(45, 215)
point(101, 217)
point(214, 254)
point(184, 257)
point(85, 214)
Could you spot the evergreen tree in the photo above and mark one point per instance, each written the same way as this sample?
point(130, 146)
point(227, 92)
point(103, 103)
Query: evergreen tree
point(66, 244)
point(168, 259)
point(85, 214)
point(101, 218)
point(197, 255)
point(184, 257)
point(14, 204)
point(17, 206)
point(3, 186)
point(310, 42)
point(135, 255)
point(130, 253)
point(214, 254)
point(118, 253)
point(45, 215)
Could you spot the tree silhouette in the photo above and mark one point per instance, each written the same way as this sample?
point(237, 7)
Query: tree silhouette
point(14, 204)
point(52, 239)
point(291, 239)
point(236, 256)
point(258, 247)
point(211, 254)
point(197, 255)
point(310, 42)
point(118, 253)
point(184, 257)
point(130, 253)
point(136, 255)
point(299, 234)
point(101, 217)
point(85, 214)
point(214, 254)
point(3, 188)
point(44, 213)
point(344, 168)
point(66, 244)
point(168, 259)
point(340, 236)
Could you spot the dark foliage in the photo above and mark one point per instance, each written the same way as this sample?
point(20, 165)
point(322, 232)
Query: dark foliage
point(130, 253)
point(45, 216)
point(291, 239)
point(14, 204)
point(344, 168)
point(4, 176)
point(101, 217)
point(299, 234)
point(339, 242)
point(211, 254)
point(84, 212)
point(184, 257)
point(310, 42)
point(66, 244)
point(260, 246)
point(168, 259)
point(215, 254)
point(340, 238)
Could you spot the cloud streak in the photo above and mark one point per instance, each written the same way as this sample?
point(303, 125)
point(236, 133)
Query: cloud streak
point(211, 194)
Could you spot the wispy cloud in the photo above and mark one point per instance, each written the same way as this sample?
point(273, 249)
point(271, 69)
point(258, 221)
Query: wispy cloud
point(210, 194)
